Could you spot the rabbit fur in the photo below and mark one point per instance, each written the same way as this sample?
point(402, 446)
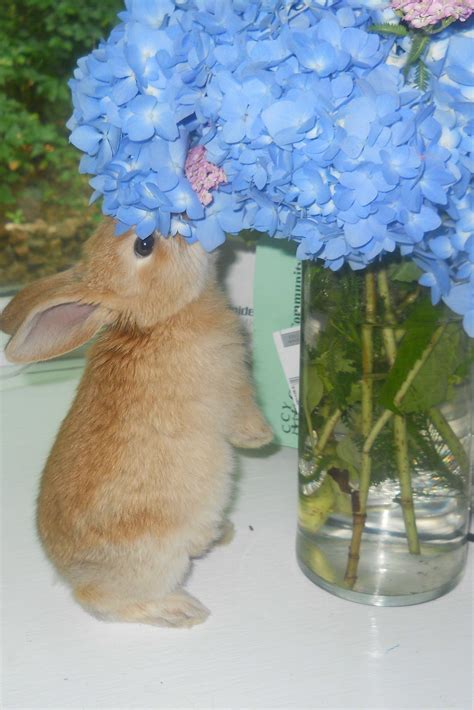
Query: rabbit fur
point(139, 477)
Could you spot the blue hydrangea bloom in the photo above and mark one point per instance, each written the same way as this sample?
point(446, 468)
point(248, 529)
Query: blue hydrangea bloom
point(309, 115)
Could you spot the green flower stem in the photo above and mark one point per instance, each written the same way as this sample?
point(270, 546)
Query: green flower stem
point(399, 424)
point(406, 488)
point(368, 353)
point(360, 515)
point(444, 429)
point(309, 422)
point(326, 432)
point(388, 331)
point(409, 299)
point(385, 417)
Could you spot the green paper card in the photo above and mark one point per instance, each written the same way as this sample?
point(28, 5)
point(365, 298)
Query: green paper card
point(277, 305)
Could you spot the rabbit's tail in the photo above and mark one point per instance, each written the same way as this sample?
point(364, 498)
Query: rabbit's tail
point(142, 584)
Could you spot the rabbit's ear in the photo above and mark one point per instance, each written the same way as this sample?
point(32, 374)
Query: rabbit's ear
point(50, 318)
point(17, 310)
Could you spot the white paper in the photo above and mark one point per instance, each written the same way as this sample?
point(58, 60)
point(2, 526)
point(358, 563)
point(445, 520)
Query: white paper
point(237, 267)
point(287, 343)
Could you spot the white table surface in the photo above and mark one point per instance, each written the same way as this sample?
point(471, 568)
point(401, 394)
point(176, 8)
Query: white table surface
point(273, 640)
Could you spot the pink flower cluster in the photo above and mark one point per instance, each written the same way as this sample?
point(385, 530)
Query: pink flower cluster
point(203, 175)
point(422, 13)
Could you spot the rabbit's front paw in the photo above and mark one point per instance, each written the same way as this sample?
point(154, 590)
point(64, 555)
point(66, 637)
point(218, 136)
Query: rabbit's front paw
point(252, 431)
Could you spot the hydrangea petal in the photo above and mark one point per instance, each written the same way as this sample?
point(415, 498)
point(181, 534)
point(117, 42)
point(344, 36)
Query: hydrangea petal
point(86, 138)
point(305, 112)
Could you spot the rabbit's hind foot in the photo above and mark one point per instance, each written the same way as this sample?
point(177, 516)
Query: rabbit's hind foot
point(177, 609)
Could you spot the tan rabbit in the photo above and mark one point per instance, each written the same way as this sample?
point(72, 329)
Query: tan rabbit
point(139, 477)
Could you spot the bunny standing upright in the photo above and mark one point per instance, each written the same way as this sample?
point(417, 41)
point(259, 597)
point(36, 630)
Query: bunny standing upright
point(139, 477)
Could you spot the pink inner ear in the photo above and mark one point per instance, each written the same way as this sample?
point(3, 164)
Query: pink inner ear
point(54, 331)
point(61, 318)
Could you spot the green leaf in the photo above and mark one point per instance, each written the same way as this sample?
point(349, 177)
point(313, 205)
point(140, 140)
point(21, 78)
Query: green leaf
point(337, 369)
point(422, 76)
point(430, 387)
point(417, 48)
point(463, 368)
point(389, 28)
point(428, 451)
point(419, 328)
point(314, 510)
point(406, 272)
point(250, 236)
point(355, 394)
point(348, 451)
point(342, 501)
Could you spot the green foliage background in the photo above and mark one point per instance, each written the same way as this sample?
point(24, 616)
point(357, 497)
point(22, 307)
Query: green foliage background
point(40, 42)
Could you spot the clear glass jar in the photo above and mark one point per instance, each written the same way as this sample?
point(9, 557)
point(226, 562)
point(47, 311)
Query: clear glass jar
point(385, 437)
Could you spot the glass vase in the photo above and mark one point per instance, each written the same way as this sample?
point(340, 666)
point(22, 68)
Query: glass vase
point(385, 436)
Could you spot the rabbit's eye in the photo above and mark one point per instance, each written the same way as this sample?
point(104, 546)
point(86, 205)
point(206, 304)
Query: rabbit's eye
point(144, 247)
